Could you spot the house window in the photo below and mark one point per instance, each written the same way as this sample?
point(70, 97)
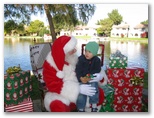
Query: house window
point(136, 34)
point(86, 28)
point(123, 28)
point(76, 33)
point(117, 34)
point(143, 29)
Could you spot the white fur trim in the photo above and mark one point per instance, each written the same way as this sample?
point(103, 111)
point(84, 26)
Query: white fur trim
point(50, 60)
point(103, 76)
point(70, 45)
point(60, 74)
point(70, 88)
point(50, 97)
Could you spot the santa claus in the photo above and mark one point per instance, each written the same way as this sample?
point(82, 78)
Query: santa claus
point(60, 78)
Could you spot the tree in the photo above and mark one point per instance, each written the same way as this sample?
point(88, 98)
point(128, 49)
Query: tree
point(115, 17)
point(43, 31)
point(68, 13)
point(9, 26)
point(145, 22)
point(35, 26)
point(106, 27)
point(20, 29)
point(98, 22)
point(17, 12)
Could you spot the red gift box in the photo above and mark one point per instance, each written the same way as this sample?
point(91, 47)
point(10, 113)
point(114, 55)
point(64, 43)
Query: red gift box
point(128, 86)
point(25, 106)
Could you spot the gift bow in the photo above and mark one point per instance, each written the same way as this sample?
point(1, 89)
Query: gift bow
point(117, 54)
point(136, 80)
point(90, 76)
point(14, 69)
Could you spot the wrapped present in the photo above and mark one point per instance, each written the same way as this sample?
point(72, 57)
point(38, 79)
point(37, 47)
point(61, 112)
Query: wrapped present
point(128, 85)
point(107, 106)
point(118, 60)
point(17, 87)
point(25, 106)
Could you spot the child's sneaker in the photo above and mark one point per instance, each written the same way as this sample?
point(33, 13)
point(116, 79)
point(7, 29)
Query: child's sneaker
point(81, 110)
point(94, 110)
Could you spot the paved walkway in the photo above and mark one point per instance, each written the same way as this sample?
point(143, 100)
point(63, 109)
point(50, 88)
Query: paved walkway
point(37, 105)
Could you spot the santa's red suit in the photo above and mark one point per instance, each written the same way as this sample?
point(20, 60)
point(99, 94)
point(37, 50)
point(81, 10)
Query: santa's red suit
point(60, 78)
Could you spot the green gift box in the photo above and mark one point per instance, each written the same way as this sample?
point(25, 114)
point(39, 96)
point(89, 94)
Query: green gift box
point(107, 106)
point(118, 60)
point(17, 87)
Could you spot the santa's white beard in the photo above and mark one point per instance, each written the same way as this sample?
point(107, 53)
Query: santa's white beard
point(71, 59)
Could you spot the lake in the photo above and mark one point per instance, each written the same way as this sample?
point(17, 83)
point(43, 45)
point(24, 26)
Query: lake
point(16, 51)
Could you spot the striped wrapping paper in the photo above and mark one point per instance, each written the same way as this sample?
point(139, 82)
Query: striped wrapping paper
point(25, 106)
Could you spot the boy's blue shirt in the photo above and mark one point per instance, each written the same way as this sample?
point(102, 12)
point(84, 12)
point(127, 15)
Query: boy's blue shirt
point(85, 66)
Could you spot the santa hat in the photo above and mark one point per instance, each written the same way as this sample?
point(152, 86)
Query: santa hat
point(60, 48)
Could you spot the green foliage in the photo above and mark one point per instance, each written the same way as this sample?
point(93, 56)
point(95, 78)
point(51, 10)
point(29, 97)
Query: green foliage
point(106, 26)
point(66, 15)
point(35, 26)
point(43, 31)
point(145, 80)
point(145, 22)
point(115, 17)
point(9, 26)
point(17, 12)
point(36, 93)
point(20, 28)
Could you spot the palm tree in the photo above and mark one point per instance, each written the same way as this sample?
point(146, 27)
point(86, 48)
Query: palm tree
point(69, 14)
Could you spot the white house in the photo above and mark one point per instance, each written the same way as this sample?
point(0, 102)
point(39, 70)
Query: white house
point(138, 30)
point(125, 30)
point(121, 30)
point(82, 31)
point(47, 37)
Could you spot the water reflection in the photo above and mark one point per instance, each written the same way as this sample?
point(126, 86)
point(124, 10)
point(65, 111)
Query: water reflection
point(137, 56)
point(16, 51)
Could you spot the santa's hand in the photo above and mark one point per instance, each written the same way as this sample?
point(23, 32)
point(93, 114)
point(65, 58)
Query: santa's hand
point(97, 77)
point(87, 90)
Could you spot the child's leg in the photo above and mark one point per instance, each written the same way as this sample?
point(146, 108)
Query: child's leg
point(95, 98)
point(81, 102)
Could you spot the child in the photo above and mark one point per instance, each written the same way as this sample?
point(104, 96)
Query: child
point(88, 64)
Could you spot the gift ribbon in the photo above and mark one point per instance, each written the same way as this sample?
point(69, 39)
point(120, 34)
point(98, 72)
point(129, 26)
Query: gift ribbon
point(117, 54)
point(90, 76)
point(14, 69)
point(136, 80)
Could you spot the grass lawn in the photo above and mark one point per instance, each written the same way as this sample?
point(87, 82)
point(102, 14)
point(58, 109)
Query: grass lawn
point(142, 40)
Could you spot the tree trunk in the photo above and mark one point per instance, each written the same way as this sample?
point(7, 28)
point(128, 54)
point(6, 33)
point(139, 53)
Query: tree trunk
point(52, 29)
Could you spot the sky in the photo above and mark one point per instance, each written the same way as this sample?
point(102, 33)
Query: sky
point(132, 13)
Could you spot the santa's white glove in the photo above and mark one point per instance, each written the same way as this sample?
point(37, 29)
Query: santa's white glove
point(97, 77)
point(87, 90)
